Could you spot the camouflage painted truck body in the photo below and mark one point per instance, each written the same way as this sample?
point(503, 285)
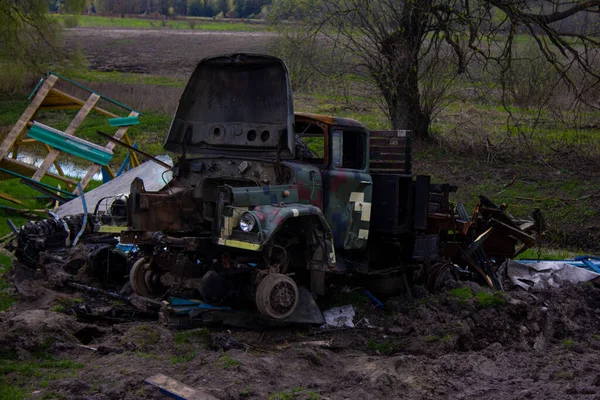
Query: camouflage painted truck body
point(264, 199)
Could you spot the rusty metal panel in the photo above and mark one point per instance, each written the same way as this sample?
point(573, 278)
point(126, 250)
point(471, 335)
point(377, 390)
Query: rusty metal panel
point(235, 103)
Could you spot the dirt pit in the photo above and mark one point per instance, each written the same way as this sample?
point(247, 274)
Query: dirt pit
point(465, 342)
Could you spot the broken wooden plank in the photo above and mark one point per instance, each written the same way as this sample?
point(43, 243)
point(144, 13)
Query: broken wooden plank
point(51, 157)
point(176, 389)
point(27, 169)
point(18, 128)
point(56, 163)
point(25, 141)
point(77, 101)
point(10, 198)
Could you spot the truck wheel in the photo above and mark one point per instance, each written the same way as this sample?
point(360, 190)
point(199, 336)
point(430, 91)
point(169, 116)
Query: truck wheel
point(144, 281)
point(277, 296)
point(439, 275)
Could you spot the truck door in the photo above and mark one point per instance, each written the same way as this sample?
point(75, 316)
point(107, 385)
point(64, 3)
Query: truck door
point(348, 188)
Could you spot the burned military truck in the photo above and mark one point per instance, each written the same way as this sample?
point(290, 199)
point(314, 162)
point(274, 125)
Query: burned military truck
point(263, 200)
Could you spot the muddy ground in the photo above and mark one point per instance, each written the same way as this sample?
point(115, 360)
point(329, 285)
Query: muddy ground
point(462, 343)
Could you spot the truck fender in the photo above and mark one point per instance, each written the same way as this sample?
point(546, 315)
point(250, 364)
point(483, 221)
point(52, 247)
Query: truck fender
point(272, 218)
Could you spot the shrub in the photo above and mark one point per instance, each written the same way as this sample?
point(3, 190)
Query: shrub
point(71, 21)
point(531, 79)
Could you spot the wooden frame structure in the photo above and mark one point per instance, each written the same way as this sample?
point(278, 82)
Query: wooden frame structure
point(45, 97)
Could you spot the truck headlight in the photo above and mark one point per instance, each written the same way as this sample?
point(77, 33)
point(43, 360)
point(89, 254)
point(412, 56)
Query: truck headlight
point(247, 222)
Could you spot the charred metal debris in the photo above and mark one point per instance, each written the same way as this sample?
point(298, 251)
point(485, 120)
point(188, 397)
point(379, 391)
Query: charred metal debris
point(266, 207)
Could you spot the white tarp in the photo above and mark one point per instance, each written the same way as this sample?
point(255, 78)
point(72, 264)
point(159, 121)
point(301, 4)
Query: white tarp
point(546, 274)
point(150, 172)
point(340, 317)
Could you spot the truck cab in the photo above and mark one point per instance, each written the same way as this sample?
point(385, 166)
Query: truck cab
point(264, 199)
point(339, 147)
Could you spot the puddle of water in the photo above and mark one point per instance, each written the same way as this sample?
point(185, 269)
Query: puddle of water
point(71, 170)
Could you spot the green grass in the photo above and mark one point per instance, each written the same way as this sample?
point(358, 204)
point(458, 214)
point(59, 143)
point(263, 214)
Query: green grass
point(201, 337)
point(64, 304)
point(7, 298)
point(144, 354)
point(385, 347)
point(11, 108)
point(462, 293)
point(294, 393)
point(546, 254)
point(82, 75)
point(144, 336)
point(484, 299)
point(20, 377)
point(10, 392)
point(246, 393)
point(226, 362)
point(201, 24)
point(189, 343)
point(489, 300)
point(568, 342)
point(184, 358)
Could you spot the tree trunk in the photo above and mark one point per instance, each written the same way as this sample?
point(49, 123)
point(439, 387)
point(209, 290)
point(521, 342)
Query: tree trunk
point(399, 73)
point(404, 104)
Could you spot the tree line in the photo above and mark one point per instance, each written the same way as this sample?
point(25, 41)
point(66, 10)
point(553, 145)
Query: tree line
point(192, 8)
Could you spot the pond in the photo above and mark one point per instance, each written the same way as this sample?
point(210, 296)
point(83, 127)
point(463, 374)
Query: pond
point(70, 169)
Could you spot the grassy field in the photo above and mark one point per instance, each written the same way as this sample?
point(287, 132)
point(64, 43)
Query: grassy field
point(201, 24)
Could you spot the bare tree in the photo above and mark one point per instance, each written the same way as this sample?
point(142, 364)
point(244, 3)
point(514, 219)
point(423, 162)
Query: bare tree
point(399, 41)
point(29, 40)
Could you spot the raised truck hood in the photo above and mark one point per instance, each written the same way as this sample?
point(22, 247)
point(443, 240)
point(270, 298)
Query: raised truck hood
point(235, 104)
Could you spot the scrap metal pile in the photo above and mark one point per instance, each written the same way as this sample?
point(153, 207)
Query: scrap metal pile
point(266, 208)
point(71, 253)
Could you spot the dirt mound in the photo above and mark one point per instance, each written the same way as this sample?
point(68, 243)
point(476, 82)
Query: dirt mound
point(35, 329)
point(471, 318)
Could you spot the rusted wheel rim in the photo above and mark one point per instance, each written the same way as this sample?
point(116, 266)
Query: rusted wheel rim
point(277, 296)
point(144, 281)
